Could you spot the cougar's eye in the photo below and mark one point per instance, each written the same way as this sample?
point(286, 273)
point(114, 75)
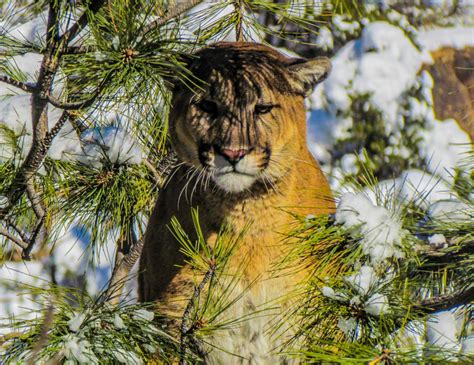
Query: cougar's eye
point(263, 108)
point(207, 106)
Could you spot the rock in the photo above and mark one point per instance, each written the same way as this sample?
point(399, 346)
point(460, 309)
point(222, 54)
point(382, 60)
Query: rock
point(453, 91)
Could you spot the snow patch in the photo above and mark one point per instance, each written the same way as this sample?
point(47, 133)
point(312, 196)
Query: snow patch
point(438, 240)
point(451, 211)
point(143, 314)
point(364, 280)
point(383, 63)
point(454, 37)
point(110, 144)
point(380, 233)
point(443, 329)
point(377, 304)
point(76, 322)
point(445, 146)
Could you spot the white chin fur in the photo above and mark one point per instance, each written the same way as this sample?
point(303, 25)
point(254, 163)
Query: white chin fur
point(233, 182)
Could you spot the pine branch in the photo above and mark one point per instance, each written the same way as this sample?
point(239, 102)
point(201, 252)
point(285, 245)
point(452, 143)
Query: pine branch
point(174, 13)
point(21, 85)
point(185, 329)
point(55, 47)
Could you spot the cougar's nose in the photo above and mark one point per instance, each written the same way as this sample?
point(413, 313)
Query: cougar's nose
point(233, 156)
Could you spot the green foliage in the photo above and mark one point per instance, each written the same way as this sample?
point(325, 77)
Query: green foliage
point(105, 199)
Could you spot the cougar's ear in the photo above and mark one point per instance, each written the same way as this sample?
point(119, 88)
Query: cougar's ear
point(309, 73)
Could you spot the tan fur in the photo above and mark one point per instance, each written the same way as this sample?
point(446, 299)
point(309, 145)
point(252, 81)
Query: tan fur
point(293, 182)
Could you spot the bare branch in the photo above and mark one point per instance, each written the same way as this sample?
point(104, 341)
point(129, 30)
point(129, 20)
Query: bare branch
point(35, 200)
point(14, 239)
point(80, 104)
point(21, 85)
point(131, 258)
point(72, 32)
point(52, 27)
point(72, 106)
point(447, 301)
point(153, 170)
point(128, 252)
point(44, 335)
point(186, 330)
point(238, 6)
point(17, 229)
point(174, 13)
point(39, 237)
point(56, 128)
point(40, 233)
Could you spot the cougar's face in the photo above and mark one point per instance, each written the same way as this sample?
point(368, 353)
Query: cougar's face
point(239, 128)
point(235, 135)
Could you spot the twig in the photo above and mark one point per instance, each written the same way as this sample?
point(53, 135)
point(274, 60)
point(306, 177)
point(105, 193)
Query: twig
point(44, 335)
point(174, 13)
point(72, 32)
point(17, 229)
point(39, 236)
point(9, 336)
point(14, 239)
point(128, 252)
point(238, 25)
point(71, 106)
point(185, 329)
point(40, 233)
point(80, 104)
point(21, 85)
point(131, 258)
point(52, 27)
point(447, 301)
point(152, 168)
point(56, 128)
point(384, 356)
point(35, 200)
point(79, 50)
